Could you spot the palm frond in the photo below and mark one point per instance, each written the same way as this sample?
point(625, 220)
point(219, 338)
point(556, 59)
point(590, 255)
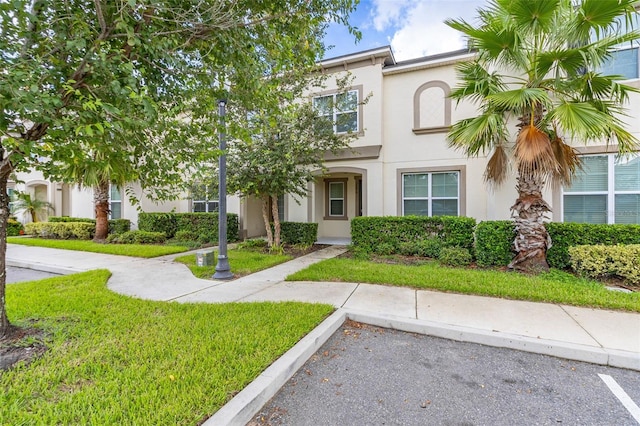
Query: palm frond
point(519, 100)
point(479, 134)
point(532, 16)
point(533, 153)
point(476, 82)
point(497, 166)
point(567, 159)
point(600, 17)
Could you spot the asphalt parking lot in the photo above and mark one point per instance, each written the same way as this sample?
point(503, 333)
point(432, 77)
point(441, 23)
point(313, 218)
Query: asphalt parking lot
point(365, 375)
point(15, 274)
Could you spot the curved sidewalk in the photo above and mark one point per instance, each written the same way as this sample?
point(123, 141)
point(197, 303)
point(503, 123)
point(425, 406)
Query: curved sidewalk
point(592, 335)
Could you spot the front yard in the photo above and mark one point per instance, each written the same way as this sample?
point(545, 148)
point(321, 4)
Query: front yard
point(112, 359)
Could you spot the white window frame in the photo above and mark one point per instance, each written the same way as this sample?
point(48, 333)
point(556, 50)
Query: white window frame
point(610, 192)
point(335, 112)
point(208, 199)
point(342, 199)
point(430, 198)
point(112, 201)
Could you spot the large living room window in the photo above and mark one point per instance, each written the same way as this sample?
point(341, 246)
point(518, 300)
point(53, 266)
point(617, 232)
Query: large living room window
point(204, 198)
point(341, 109)
point(431, 194)
point(606, 190)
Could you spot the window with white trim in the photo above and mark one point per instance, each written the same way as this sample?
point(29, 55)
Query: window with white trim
point(340, 109)
point(115, 202)
point(336, 198)
point(431, 194)
point(623, 60)
point(204, 198)
point(606, 190)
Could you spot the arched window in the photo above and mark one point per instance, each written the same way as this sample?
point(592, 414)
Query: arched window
point(432, 108)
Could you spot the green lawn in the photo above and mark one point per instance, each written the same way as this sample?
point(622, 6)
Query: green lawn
point(242, 262)
point(119, 360)
point(553, 287)
point(134, 250)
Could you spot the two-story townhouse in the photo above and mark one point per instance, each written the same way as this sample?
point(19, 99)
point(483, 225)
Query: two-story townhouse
point(401, 164)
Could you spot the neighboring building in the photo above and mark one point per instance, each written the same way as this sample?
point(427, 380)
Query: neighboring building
point(401, 163)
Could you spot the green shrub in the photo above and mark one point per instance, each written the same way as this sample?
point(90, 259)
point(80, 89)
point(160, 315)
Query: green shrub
point(300, 233)
point(158, 222)
point(119, 226)
point(429, 247)
point(61, 230)
point(116, 226)
point(14, 228)
point(565, 235)
point(185, 236)
point(137, 237)
point(386, 249)
point(601, 261)
point(455, 256)
point(257, 243)
point(494, 242)
point(369, 232)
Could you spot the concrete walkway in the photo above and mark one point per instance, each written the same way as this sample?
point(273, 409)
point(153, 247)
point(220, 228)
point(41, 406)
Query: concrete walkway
point(591, 335)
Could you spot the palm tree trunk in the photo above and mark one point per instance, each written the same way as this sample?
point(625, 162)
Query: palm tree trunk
point(265, 217)
point(532, 239)
point(4, 217)
point(101, 201)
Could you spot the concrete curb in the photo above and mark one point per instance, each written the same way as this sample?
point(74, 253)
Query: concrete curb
point(244, 406)
point(43, 268)
point(241, 409)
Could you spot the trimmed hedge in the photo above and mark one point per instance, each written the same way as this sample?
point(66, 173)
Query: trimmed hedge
point(565, 235)
point(61, 230)
point(204, 225)
point(601, 261)
point(137, 237)
point(14, 228)
point(116, 226)
point(386, 234)
point(494, 242)
point(302, 233)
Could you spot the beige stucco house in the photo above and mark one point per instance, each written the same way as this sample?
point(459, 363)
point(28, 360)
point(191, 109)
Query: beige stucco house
point(401, 164)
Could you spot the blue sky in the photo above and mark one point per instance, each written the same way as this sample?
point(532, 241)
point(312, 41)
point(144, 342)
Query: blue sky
point(413, 28)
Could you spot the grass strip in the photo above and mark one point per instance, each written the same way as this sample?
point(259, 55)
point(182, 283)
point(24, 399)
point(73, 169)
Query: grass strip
point(113, 359)
point(242, 262)
point(134, 250)
point(552, 287)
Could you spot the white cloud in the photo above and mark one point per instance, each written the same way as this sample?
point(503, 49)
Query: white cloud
point(417, 27)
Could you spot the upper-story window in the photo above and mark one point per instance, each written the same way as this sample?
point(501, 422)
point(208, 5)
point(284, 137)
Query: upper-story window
point(606, 190)
point(204, 198)
point(624, 59)
point(341, 109)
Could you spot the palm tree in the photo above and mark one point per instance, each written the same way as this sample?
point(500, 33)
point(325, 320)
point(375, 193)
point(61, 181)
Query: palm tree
point(536, 67)
point(24, 203)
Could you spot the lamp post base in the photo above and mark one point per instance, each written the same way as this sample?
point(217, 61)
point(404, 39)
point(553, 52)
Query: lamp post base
point(223, 270)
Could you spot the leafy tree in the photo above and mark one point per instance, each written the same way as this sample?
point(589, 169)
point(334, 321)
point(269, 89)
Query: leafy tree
point(277, 150)
point(24, 203)
point(537, 63)
point(134, 82)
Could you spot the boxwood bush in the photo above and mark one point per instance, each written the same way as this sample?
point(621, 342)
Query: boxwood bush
point(204, 225)
point(61, 230)
point(565, 235)
point(390, 234)
point(301, 233)
point(137, 237)
point(494, 242)
point(600, 261)
point(116, 226)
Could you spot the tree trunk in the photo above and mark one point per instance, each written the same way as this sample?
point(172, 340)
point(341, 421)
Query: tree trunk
point(532, 239)
point(265, 217)
point(101, 201)
point(276, 220)
point(4, 216)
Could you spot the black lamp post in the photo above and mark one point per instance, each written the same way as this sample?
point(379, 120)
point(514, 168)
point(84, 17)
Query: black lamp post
point(223, 270)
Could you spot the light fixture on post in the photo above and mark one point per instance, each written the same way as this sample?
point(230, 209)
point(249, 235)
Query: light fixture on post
point(223, 270)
